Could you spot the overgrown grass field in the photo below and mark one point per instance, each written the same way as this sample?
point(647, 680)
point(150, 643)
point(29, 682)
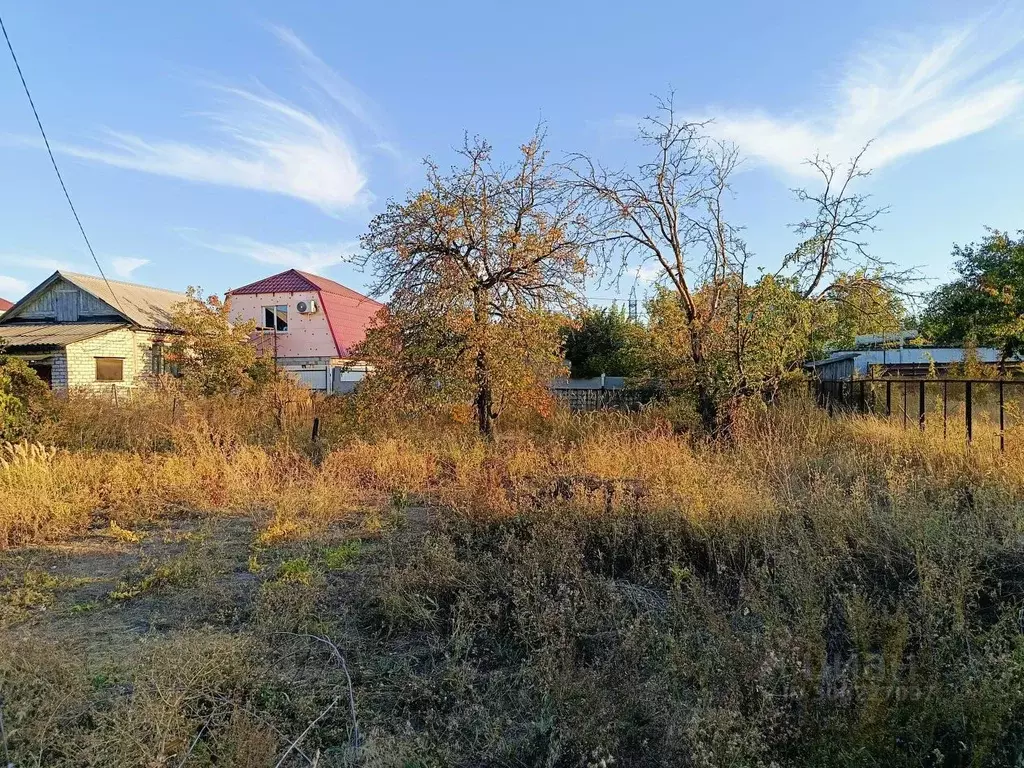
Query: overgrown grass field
point(197, 583)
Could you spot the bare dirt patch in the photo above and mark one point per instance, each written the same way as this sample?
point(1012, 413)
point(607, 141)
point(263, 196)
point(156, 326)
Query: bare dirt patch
point(115, 586)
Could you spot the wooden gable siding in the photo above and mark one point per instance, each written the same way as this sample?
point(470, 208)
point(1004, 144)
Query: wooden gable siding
point(64, 302)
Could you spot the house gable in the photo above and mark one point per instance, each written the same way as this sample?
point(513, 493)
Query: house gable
point(346, 313)
point(308, 335)
point(58, 300)
point(67, 297)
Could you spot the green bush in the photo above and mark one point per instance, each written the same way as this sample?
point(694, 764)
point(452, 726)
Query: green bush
point(24, 399)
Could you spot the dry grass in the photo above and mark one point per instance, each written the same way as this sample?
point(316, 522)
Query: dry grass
point(599, 587)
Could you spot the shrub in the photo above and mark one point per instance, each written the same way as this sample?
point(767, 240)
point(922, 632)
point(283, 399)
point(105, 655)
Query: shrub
point(24, 399)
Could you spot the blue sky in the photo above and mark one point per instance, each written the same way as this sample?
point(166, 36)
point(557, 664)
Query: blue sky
point(217, 142)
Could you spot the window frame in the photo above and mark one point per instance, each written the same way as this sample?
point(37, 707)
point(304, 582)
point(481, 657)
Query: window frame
point(105, 359)
point(157, 361)
point(275, 311)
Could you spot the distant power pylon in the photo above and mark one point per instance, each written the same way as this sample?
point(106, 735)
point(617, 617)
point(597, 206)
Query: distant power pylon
point(632, 312)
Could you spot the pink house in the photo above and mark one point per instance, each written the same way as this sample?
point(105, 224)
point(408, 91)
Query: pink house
point(309, 324)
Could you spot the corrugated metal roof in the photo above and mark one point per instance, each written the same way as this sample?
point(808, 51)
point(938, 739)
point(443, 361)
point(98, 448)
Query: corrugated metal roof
point(295, 281)
point(289, 281)
point(835, 358)
point(144, 305)
point(329, 286)
point(348, 318)
point(348, 312)
point(609, 382)
point(52, 334)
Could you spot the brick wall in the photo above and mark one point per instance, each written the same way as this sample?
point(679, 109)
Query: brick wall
point(144, 352)
point(133, 347)
point(59, 371)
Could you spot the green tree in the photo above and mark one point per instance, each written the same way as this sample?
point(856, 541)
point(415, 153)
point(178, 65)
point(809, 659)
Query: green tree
point(986, 301)
point(474, 264)
point(761, 337)
point(604, 341)
point(863, 303)
point(24, 398)
point(213, 354)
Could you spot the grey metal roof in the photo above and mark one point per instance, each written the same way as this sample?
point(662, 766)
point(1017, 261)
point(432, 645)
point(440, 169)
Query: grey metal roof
point(610, 382)
point(142, 304)
point(834, 359)
point(24, 335)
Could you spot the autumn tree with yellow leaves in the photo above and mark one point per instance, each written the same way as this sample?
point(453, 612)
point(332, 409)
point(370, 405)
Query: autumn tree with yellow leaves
point(477, 267)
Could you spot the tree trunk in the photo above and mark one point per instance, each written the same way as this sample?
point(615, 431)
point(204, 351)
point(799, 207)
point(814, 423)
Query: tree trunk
point(707, 407)
point(707, 403)
point(483, 403)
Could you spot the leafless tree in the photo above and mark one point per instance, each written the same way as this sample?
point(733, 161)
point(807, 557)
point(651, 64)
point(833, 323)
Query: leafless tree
point(671, 211)
point(833, 239)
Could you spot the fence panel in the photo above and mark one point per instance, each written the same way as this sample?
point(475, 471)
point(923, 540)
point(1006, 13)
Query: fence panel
point(984, 412)
point(594, 399)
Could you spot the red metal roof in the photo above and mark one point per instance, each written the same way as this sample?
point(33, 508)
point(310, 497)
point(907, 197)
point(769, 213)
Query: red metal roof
point(348, 313)
point(284, 282)
point(5, 305)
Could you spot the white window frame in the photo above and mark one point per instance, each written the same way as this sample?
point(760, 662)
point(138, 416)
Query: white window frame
point(274, 309)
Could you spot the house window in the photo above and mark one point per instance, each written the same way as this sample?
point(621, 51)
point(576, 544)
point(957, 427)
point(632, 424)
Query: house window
point(109, 369)
point(276, 318)
point(157, 365)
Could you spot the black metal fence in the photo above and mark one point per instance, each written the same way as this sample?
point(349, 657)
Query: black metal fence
point(977, 409)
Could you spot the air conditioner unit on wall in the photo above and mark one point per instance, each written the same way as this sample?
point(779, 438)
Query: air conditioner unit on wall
point(306, 307)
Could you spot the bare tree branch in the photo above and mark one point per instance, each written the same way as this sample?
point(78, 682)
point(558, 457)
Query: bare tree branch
point(833, 238)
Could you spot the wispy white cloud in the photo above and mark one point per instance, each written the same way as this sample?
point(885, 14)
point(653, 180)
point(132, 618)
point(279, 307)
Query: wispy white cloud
point(41, 263)
point(618, 127)
point(355, 102)
point(906, 94)
point(267, 144)
point(124, 265)
point(262, 141)
point(344, 93)
point(309, 257)
point(649, 272)
point(12, 288)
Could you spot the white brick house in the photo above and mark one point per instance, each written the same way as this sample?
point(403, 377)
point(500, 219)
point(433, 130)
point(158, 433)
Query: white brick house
point(82, 332)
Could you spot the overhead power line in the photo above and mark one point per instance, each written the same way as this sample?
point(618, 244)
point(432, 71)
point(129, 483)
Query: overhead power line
point(56, 170)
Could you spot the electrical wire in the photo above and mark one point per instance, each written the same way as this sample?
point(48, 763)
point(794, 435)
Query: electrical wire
point(56, 170)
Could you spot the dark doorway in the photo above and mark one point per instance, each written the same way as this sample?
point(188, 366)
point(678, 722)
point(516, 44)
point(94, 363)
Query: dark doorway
point(44, 371)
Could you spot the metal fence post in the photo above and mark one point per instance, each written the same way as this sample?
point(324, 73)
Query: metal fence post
point(863, 402)
point(968, 416)
point(945, 393)
point(888, 397)
point(1002, 434)
point(905, 382)
point(920, 405)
